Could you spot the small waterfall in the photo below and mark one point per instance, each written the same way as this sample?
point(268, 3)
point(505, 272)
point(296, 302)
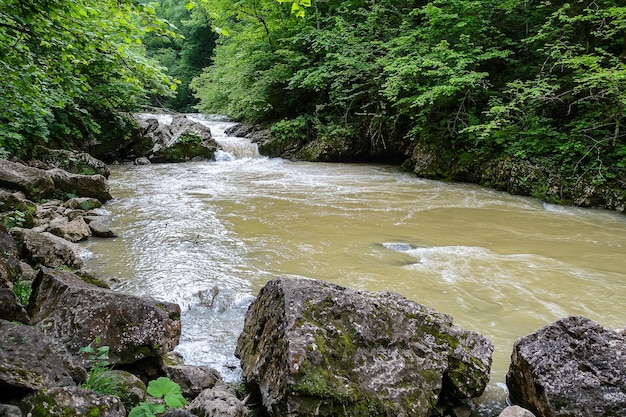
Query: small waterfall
point(232, 147)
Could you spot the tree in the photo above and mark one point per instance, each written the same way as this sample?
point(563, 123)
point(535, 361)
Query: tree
point(69, 65)
point(186, 56)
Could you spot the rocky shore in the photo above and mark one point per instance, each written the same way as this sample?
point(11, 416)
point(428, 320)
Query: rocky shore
point(308, 348)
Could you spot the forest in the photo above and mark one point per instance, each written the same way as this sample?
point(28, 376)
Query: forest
point(536, 82)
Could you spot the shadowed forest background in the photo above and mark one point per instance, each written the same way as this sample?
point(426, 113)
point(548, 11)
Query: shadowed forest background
point(539, 83)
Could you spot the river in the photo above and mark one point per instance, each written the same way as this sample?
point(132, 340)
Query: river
point(208, 235)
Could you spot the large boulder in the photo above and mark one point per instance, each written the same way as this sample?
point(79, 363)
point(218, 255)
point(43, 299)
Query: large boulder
point(47, 249)
point(317, 349)
point(30, 361)
point(95, 186)
point(176, 138)
point(35, 183)
point(70, 161)
point(76, 313)
point(72, 230)
point(571, 368)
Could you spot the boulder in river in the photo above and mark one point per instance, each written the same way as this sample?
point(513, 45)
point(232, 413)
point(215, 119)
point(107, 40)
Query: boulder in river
point(76, 313)
point(571, 368)
point(317, 349)
point(180, 140)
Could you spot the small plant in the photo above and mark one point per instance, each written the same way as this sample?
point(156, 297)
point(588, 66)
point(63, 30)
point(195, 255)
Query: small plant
point(22, 290)
point(160, 388)
point(100, 379)
point(16, 219)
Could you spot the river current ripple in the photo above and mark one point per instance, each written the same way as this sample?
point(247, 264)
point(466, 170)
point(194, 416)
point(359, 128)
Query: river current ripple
point(208, 235)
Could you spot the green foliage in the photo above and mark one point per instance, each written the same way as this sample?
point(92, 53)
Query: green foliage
point(160, 388)
point(16, 219)
point(184, 57)
point(100, 379)
point(97, 357)
point(523, 79)
point(68, 64)
point(22, 290)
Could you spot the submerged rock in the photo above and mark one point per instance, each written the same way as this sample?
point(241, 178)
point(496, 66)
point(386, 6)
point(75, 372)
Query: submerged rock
point(571, 368)
point(317, 349)
point(75, 313)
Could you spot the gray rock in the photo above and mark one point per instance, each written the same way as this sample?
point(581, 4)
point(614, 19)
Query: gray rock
point(35, 183)
point(314, 348)
point(192, 379)
point(100, 229)
point(571, 368)
point(27, 271)
point(134, 388)
point(516, 411)
point(47, 249)
point(217, 402)
point(178, 413)
point(95, 186)
point(83, 203)
point(182, 139)
point(7, 410)
point(10, 308)
point(72, 401)
point(70, 161)
point(9, 258)
point(76, 313)
point(142, 161)
point(73, 231)
point(29, 361)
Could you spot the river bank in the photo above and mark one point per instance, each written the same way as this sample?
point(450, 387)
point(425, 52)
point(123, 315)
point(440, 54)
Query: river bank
point(536, 178)
point(499, 264)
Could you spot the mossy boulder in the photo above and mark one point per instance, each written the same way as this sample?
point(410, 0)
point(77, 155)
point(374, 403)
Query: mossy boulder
point(30, 361)
point(573, 367)
point(175, 138)
point(312, 348)
point(70, 161)
point(70, 402)
point(75, 313)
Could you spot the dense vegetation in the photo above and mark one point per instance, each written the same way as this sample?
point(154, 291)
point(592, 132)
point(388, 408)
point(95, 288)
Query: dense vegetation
point(451, 86)
point(536, 81)
point(70, 67)
point(183, 57)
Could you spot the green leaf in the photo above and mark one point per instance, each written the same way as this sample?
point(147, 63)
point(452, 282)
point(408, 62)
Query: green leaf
point(146, 410)
point(169, 390)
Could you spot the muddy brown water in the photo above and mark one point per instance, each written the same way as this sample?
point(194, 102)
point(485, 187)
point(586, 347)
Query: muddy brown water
point(208, 235)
